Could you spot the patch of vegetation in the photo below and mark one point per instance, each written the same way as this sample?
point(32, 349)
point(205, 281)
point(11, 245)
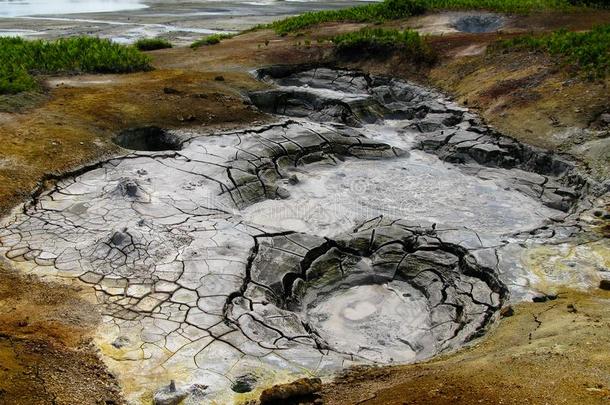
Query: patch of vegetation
point(501, 6)
point(384, 41)
point(589, 51)
point(211, 40)
point(397, 9)
point(152, 44)
point(373, 13)
point(21, 59)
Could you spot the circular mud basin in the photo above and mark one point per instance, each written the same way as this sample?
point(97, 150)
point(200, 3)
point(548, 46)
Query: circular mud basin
point(392, 315)
point(387, 294)
point(480, 23)
point(150, 139)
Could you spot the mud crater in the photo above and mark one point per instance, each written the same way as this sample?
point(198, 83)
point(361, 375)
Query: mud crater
point(375, 222)
point(149, 139)
point(479, 23)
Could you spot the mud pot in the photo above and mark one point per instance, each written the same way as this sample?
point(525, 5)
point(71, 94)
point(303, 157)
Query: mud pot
point(376, 222)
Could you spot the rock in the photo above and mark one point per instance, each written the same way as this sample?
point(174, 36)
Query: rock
point(172, 395)
point(507, 312)
point(185, 118)
point(293, 179)
point(170, 90)
point(120, 342)
point(486, 153)
point(281, 394)
point(219, 78)
point(605, 285)
point(282, 193)
point(544, 298)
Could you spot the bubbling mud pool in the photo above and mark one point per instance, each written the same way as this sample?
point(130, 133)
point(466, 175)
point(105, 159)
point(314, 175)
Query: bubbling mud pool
point(376, 223)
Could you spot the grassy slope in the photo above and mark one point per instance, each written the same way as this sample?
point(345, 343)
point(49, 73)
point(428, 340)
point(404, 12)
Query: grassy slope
point(589, 51)
point(396, 9)
point(382, 41)
point(21, 58)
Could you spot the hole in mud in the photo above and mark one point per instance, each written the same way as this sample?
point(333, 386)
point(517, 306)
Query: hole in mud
point(151, 139)
point(476, 24)
point(244, 383)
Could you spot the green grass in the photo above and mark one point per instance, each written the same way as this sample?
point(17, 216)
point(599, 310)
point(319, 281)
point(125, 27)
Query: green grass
point(397, 9)
point(21, 59)
point(502, 6)
point(387, 10)
point(152, 44)
point(211, 40)
point(379, 41)
point(589, 51)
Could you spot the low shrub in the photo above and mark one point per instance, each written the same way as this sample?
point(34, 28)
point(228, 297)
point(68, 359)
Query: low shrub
point(211, 40)
point(379, 41)
point(588, 51)
point(152, 44)
point(20, 59)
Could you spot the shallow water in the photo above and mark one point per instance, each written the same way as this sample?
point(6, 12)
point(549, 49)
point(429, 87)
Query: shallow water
point(18, 8)
point(127, 21)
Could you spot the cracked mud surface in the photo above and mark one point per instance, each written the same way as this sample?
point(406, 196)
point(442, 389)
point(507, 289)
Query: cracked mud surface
point(331, 238)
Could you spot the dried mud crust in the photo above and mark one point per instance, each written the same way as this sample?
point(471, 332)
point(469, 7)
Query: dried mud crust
point(155, 287)
point(450, 131)
point(83, 113)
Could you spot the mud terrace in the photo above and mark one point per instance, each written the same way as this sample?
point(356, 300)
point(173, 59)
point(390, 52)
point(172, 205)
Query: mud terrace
point(376, 222)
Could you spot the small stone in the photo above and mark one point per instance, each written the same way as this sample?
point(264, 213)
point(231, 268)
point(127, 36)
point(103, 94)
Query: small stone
point(545, 298)
point(172, 395)
point(185, 118)
point(282, 193)
point(572, 309)
point(170, 90)
point(299, 388)
point(293, 179)
point(604, 285)
point(219, 78)
point(507, 311)
point(120, 342)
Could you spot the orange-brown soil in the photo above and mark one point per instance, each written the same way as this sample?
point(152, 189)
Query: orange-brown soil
point(46, 356)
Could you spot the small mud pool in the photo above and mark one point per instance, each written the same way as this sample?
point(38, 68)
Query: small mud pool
point(152, 139)
point(376, 222)
point(479, 23)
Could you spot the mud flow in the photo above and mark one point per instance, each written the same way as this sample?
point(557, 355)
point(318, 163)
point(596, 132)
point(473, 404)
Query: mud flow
point(375, 222)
